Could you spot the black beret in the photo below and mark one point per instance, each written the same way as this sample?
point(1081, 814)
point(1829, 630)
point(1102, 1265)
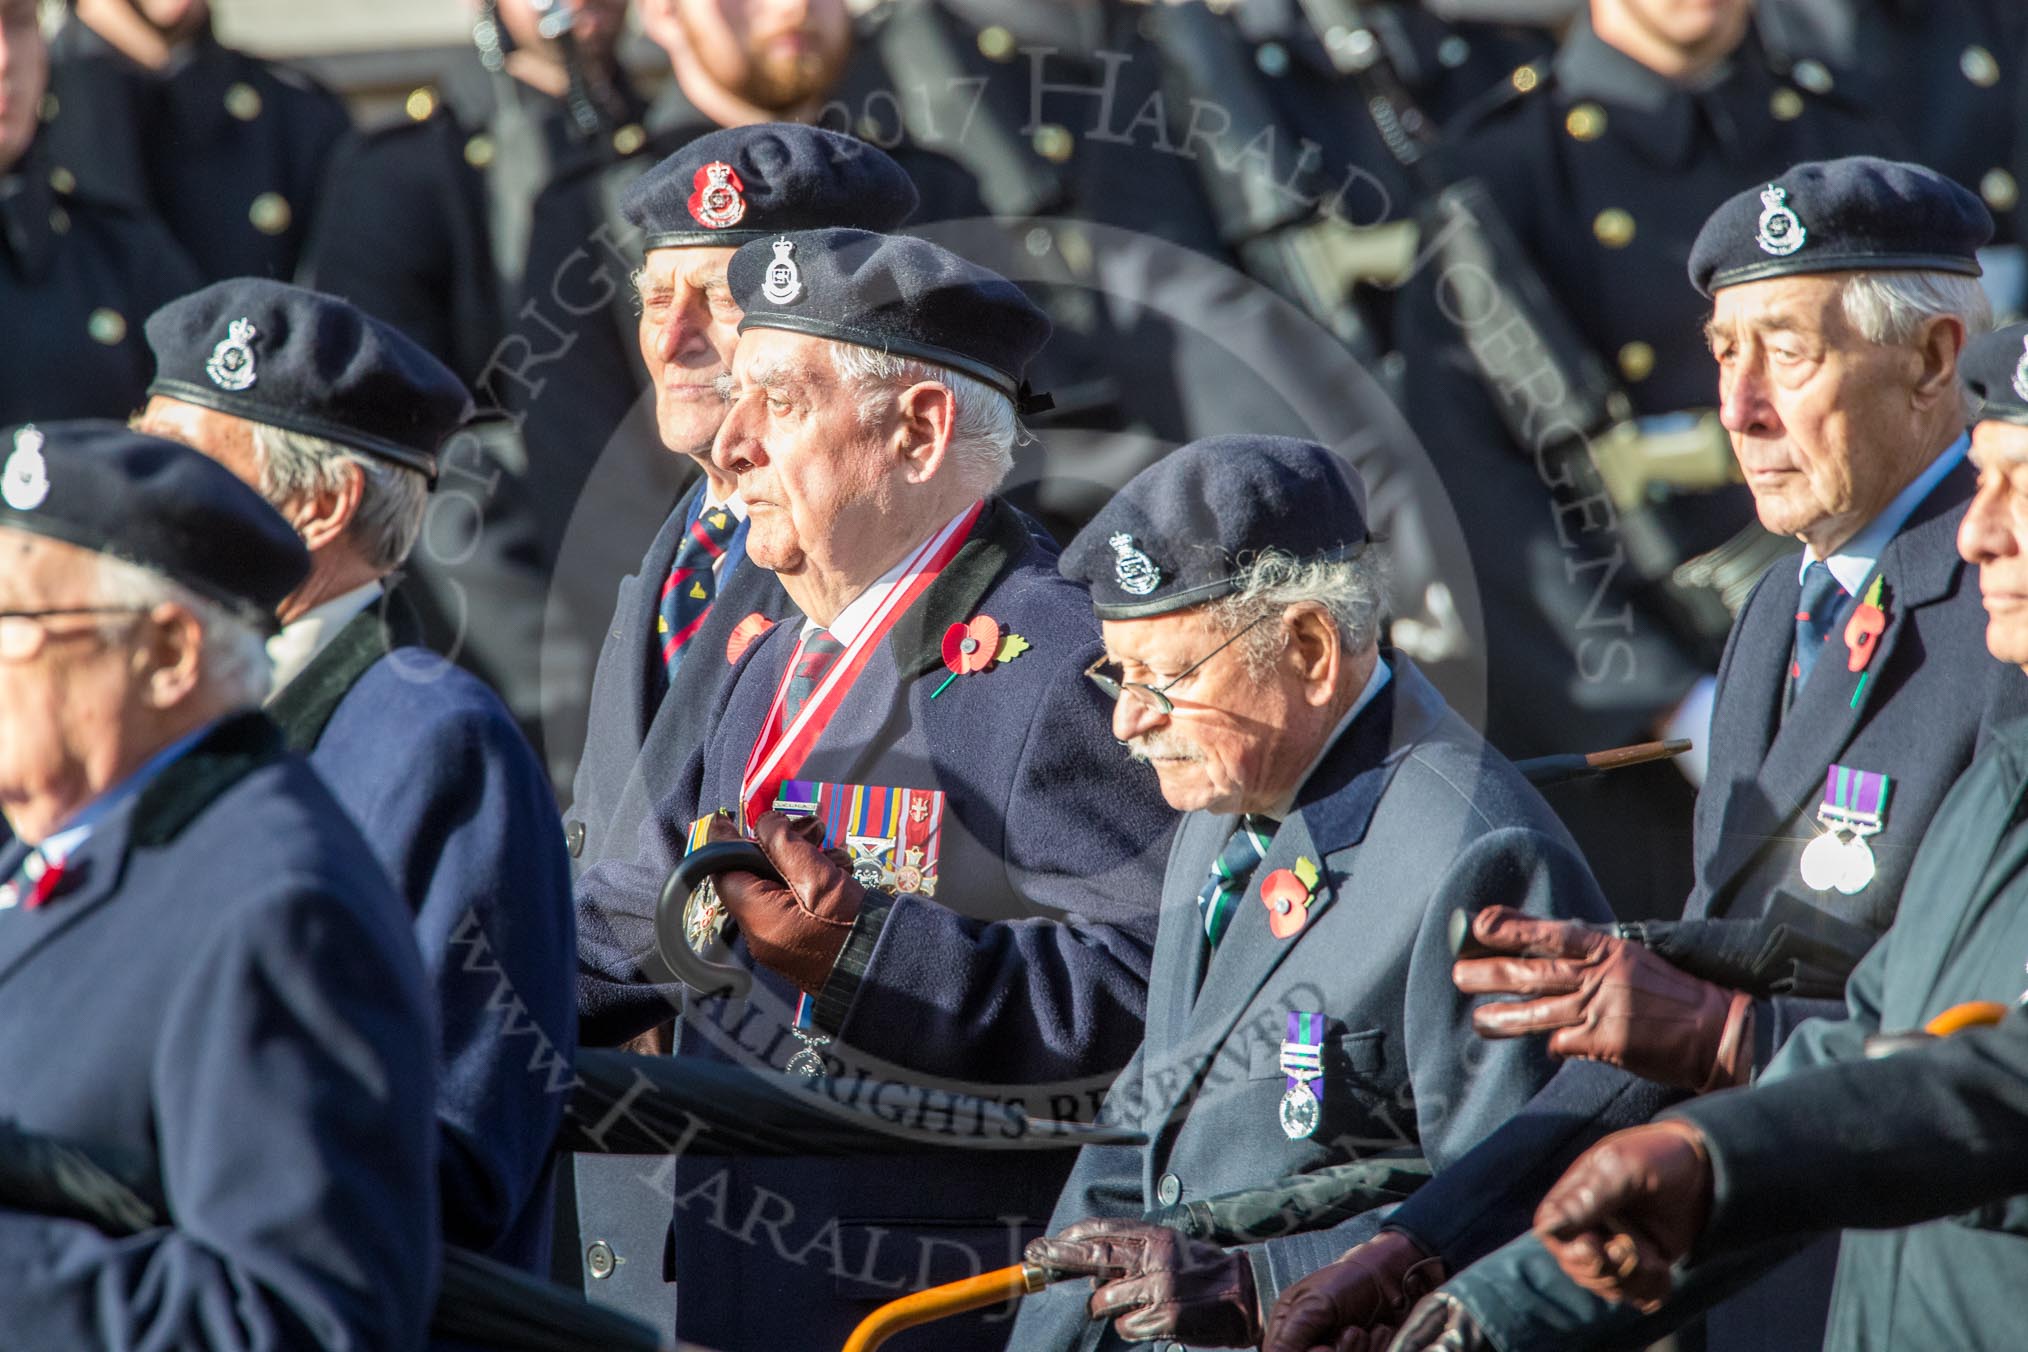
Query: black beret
point(155, 503)
point(1854, 214)
point(1995, 368)
point(738, 184)
point(895, 293)
point(308, 362)
point(1182, 529)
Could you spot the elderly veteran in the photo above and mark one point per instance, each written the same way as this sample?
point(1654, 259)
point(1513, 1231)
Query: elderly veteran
point(1853, 692)
point(1300, 1011)
point(336, 419)
point(930, 708)
point(1831, 1138)
point(203, 970)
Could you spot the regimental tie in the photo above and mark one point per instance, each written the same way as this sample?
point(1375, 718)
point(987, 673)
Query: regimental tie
point(32, 884)
point(819, 652)
point(1235, 864)
point(686, 596)
point(1819, 615)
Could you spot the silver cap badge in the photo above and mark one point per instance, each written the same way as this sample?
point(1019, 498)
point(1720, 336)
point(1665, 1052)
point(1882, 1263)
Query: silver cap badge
point(24, 482)
point(1134, 571)
point(1781, 234)
point(231, 365)
point(784, 280)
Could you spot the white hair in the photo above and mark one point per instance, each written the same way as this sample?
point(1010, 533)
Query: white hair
point(1890, 307)
point(234, 663)
point(1352, 592)
point(393, 499)
point(983, 433)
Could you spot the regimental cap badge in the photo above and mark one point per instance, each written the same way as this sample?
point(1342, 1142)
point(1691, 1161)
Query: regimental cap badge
point(784, 282)
point(24, 482)
point(231, 364)
point(1781, 234)
point(2021, 371)
point(1134, 571)
point(716, 204)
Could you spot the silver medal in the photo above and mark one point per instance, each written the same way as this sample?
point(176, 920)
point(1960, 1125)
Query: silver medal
point(1856, 866)
point(1824, 861)
point(808, 1062)
point(703, 915)
point(1299, 1111)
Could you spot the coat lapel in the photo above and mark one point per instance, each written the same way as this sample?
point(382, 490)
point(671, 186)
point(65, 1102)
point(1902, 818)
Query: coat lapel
point(304, 707)
point(1180, 950)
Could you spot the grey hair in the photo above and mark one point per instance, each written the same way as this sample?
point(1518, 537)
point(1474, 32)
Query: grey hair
point(985, 431)
point(235, 664)
point(393, 499)
point(1890, 307)
point(1353, 592)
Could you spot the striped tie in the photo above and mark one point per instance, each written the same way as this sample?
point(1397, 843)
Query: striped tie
point(1230, 871)
point(686, 596)
point(820, 650)
point(1819, 613)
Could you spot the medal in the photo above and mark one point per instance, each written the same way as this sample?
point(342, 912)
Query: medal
point(1823, 861)
point(1302, 1062)
point(1856, 866)
point(808, 1062)
point(1855, 805)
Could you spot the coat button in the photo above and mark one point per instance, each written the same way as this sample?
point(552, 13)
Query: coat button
point(598, 1260)
point(573, 836)
point(1168, 1189)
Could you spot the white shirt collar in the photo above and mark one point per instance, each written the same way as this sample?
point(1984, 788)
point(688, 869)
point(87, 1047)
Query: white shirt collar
point(301, 640)
point(1375, 683)
point(1853, 563)
point(859, 611)
point(733, 503)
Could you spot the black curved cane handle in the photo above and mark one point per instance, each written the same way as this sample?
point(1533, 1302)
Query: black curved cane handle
point(706, 861)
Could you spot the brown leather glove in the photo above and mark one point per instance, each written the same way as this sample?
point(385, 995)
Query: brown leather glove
point(1627, 1211)
point(1354, 1303)
point(1441, 1324)
point(1154, 1282)
point(797, 926)
point(1605, 999)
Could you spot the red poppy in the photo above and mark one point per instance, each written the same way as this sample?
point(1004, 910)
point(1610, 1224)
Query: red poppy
point(972, 647)
point(1287, 900)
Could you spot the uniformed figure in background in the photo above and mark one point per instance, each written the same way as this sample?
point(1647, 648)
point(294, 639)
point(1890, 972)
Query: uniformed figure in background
point(1851, 695)
point(230, 150)
point(1300, 1008)
point(338, 420)
point(1583, 518)
point(1829, 1138)
point(929, 707)
point(78, 270)
point(203, 969)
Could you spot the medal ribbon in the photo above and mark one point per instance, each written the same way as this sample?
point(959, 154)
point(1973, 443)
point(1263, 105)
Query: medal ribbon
point(1303, 1052)
point(778, 753)
point(1855, 797)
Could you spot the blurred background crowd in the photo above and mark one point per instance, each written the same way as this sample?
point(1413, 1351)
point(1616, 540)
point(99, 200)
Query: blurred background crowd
point(1446, 239)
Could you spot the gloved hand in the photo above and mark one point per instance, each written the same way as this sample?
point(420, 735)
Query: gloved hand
point(1441, 1324)
point(1154, 1282)
point(1357, 1301)
point(1605, 999)
point(797, 926)
point(1627, 1211)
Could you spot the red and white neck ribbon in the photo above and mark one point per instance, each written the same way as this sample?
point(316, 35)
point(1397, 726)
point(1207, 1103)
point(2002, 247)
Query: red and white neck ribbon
point(778, 753)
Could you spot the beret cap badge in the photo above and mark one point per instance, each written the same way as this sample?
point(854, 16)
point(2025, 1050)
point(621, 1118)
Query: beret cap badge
point(1135, 571)
point(1781, 234)
point(717, 204)
point(784, 281)
point(24, 482)
point(2021, 371)
point(231, 365)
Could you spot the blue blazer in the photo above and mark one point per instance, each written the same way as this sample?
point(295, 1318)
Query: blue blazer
point(643, 729)
point(453, 802)
point(1932, 695)
point(1025, 978)
point(1410, 815)
point(228, 992)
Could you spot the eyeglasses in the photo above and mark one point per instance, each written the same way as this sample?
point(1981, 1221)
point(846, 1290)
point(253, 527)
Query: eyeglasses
point(23, 632)
point(1155, 696)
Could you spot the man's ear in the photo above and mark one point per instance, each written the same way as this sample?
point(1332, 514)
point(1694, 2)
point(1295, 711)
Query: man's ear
point(323, 518)
point(1936, 350)
point(926, 415)
point(1314, 650)
point(172, 654)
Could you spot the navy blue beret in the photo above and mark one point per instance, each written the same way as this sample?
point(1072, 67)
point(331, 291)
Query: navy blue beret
point(1182, 529)
point(738, 184)
point(895, 293)
point(1854, 214)
point(1995, 368)
point(308, 362)
point(155, 503)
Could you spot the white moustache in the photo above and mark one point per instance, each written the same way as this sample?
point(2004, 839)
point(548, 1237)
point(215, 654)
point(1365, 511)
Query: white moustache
point(1159, 746)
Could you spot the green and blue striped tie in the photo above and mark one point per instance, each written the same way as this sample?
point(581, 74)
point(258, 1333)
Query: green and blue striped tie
point(1230, 871)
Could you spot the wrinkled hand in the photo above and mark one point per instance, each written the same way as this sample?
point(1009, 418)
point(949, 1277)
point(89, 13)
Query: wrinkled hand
point(1606, 999)
point(797, 926)
point(1627, 1211)
point(1441, 1324)
point(1356, 1302)
point(1154, 1282)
